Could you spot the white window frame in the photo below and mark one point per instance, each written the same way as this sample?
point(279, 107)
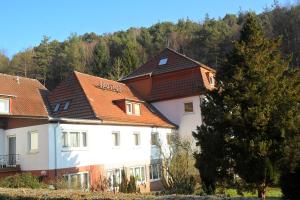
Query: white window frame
point(132, 172)
point(138, 134)
point(68, 176)
point(30, 149)
point(118, 139)
point(68, 133)
point(188, 102)
point(139, 109)
point(129, 112)
point(7, 105)
point(157, 139)
point(211, 79)
point(159, 172)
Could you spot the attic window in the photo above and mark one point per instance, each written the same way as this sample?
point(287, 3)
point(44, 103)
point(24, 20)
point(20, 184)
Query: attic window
point(56, 109)
point(4, 106)
point(163, 61)
point(211, 79)
point(67, 105)
point(133, 108)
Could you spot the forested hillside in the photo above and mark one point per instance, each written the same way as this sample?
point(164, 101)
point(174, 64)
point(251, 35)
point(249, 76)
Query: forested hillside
point(117, 54)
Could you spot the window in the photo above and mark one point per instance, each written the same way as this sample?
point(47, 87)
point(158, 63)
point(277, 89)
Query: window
point(74, 139)
point(4, 106)
point(67, 105)
point(33, 141)
point(154, 139)
point(56, 109)
point(155, 172)
point(211, 79)
point(114, 177)
point(138, 173)
point(137, 109)
point(163, 61)
point(188, 107)
point(170, 139)
point(78, 181)
point(116, 138)
point(129, 108)
point(136, 139)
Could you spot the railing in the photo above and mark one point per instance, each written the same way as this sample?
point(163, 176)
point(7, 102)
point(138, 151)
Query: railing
point(10, 160)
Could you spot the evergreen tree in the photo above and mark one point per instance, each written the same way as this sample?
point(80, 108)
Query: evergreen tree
point(124, 182)
point(255, 103)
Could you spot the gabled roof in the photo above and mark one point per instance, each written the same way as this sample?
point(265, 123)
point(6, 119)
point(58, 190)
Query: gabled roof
point(175, 62)
point(95, 98)
point(26, 96)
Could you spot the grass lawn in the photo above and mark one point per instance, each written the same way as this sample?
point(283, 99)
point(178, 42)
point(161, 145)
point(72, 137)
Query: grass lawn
point(271, 192)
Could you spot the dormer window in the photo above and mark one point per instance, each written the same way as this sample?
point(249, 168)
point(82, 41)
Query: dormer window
point(133, 108)
point(163, 61)
point(129, 108)
point(4, 106)
point(56, 108)
point(211, 79)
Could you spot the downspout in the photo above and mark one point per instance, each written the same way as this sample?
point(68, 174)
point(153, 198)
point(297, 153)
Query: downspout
point(55, 150)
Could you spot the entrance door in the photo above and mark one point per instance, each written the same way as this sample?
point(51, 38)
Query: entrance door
point(12, 151)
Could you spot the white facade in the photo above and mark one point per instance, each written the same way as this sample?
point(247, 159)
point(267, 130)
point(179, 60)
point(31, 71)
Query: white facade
point(28, 160)
point(187, 121)
point(99, 149)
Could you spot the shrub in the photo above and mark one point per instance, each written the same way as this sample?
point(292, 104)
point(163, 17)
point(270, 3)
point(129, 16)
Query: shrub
point(24, 180)
point(123, 185)
point(290, 184)
point(131, 188)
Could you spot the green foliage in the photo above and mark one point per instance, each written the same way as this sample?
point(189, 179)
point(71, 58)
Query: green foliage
point(179, 174)
point(131, 187)
point(250, 114)
point(124, 182)
point(24, 180)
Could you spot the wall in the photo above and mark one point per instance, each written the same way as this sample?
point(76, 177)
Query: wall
point(174, 111)
point(1, 141)
point(30, 161)
point(100, 149)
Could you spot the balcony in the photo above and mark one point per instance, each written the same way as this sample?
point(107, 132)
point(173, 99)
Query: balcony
point(9, 163)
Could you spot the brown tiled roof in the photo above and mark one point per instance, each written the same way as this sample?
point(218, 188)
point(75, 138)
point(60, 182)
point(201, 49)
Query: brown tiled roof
point(175, 62)
point(26, 96)
point(180, 77)
point(87, 97)
point(70, 90)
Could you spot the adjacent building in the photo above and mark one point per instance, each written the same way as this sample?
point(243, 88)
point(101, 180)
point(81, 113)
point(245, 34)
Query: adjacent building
point(89, 128)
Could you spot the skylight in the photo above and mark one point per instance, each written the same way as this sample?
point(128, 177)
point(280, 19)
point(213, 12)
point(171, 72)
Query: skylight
point(56, 107)
point(163, 61)
point(67, 104)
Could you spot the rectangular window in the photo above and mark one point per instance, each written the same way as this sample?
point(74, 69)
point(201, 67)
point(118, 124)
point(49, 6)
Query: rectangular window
point(116, 138)
point(129, 108)
point(154, 138)
point(155, 172)
point(74, 139)
point(33, 141)
point(188, 107)
point(67, 105)
point(77, 181)
point(211, 80)
point(138, 173)
point(136, 138)
point(170, 138)
point(4, 106)
point(137, 109)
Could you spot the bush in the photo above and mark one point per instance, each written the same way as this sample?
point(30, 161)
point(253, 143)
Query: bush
point(131, 188)
point(123, 185)
point(290, 184)
point(24, 180)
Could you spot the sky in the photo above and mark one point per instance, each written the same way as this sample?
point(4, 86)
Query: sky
point(25, 22)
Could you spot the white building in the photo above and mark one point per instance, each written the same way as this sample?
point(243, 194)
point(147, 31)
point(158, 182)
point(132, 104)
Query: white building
point(89, 128)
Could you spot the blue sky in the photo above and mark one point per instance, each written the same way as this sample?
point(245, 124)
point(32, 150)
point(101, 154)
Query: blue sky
point(24, 22)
